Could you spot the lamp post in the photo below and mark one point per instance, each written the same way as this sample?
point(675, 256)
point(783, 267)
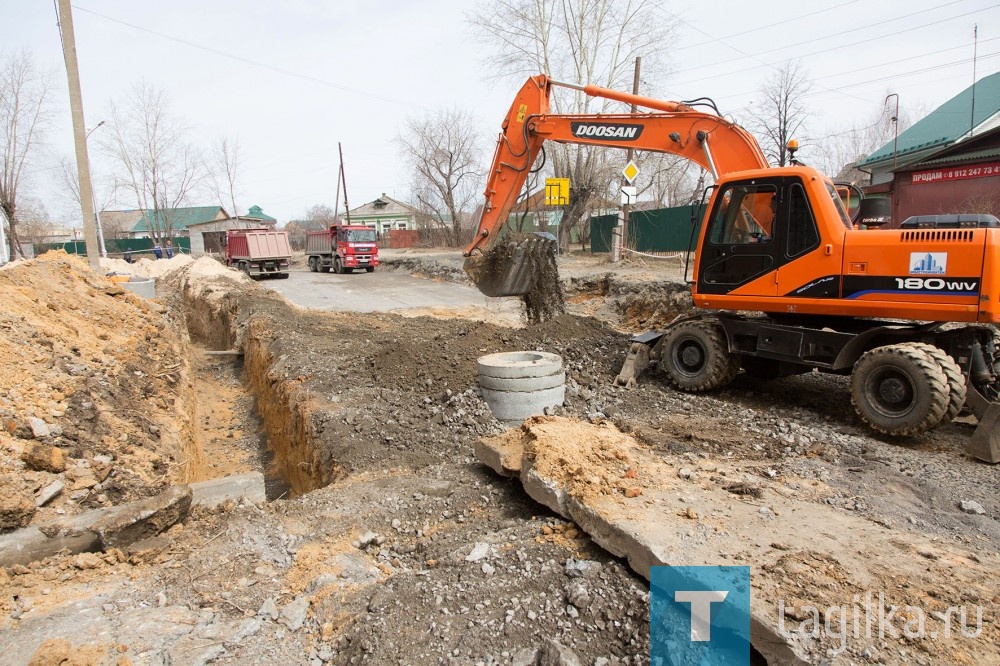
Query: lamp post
point(97, 213)
point(895, 126)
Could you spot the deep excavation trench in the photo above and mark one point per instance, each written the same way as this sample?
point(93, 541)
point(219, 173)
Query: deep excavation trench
point(277, 411)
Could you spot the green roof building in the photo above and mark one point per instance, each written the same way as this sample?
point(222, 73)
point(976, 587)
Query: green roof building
point(970, 113)
point(947, 163)
point(255, 213)
point(175, 220)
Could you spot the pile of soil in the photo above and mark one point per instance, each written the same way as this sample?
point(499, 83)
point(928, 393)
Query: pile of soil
point(91, 395)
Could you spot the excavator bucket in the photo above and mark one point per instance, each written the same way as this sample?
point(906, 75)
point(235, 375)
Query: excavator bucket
point(515, 266)
point(985, 441)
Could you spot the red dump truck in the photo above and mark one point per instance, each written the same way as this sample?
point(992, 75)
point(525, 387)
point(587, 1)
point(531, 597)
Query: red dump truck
point(258, 252)
point(342, 247)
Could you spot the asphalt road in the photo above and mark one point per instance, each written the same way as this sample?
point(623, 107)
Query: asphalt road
point(381, 291)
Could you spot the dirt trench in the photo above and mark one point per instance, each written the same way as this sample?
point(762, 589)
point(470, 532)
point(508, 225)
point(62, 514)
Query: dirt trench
point(285, 451)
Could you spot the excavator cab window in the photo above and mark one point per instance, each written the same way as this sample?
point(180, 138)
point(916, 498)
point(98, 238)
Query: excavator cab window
point(838, 202)
point(803, 234)
point(745, 214)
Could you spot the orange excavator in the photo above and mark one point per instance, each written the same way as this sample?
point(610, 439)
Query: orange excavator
point(782, 281)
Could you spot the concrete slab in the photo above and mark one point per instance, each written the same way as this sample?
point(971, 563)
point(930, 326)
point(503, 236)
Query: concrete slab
point(95, 530)
point(125, 524)
point(634, 503)
point(214, 492)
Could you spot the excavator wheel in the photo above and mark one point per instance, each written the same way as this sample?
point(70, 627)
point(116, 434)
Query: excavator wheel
point(695, 354)
point(956, 380)
point(899, 390)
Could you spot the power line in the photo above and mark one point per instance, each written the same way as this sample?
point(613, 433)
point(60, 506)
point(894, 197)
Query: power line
point(255, 63)
point(914, 72)
point(753, 57)
point(837, 34)
point(896, 62)
point(832, 48)
point(763, 27)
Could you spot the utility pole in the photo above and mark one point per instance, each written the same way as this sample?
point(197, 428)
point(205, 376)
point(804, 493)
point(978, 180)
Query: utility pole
point(630, 154)
point(343, 179)
point(79, 135)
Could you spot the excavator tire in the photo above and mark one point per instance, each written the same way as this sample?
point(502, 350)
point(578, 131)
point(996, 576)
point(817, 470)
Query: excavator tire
point(899, 390)
point(696, 356)
point(956, 380)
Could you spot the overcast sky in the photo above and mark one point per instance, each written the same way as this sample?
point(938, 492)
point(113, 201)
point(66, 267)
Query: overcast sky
point(291, 78)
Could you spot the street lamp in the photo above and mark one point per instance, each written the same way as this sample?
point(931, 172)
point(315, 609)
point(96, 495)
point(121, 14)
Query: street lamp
point(895, 126)
point(97, 213)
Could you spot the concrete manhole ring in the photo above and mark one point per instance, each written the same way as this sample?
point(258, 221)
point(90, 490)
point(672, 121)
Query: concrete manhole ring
point(519, 364)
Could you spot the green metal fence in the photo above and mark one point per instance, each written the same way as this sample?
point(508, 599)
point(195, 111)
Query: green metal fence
point(660, 230)
point(140, 247)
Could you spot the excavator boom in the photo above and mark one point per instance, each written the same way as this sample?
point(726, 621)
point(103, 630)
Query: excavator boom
point(711, 141)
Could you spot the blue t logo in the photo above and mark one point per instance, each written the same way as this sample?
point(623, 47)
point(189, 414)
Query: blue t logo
point(700, 615)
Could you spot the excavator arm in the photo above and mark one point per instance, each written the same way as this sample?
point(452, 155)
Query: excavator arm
point(716, 144)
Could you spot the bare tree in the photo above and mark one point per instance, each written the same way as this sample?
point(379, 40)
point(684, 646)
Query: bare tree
point(24, 118)
point(841, 149)
point(780, 113)
point(35, 226)
point(581, 41)
point(155, 162)
point(319, 217)
point(443, 152)
point(69, 181)
point(672, 180)
point(224, 168)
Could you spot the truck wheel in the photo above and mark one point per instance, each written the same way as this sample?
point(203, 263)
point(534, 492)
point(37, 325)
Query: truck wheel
point(899, 390)
point(956, 380)
point(338, 266)
point(696, 356)
point(313, 261)
point(369, 269)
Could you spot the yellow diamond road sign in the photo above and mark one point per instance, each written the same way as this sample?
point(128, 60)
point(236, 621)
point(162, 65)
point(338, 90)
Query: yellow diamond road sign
point(630, 171)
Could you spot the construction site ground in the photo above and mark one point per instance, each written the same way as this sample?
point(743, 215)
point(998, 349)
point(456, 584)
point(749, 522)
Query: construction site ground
point(384, 539)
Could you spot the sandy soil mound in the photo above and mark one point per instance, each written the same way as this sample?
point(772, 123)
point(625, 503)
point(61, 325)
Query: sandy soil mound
point(88, 397)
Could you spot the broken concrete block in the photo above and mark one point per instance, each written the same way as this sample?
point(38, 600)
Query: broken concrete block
point(128, 523)
point(39, 428)
point(544, 490)
point(49, 492)
point(501, 454)
point(43, 458)
point(214, 492)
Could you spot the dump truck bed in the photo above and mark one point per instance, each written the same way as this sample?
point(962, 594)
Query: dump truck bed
point(259, 245)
